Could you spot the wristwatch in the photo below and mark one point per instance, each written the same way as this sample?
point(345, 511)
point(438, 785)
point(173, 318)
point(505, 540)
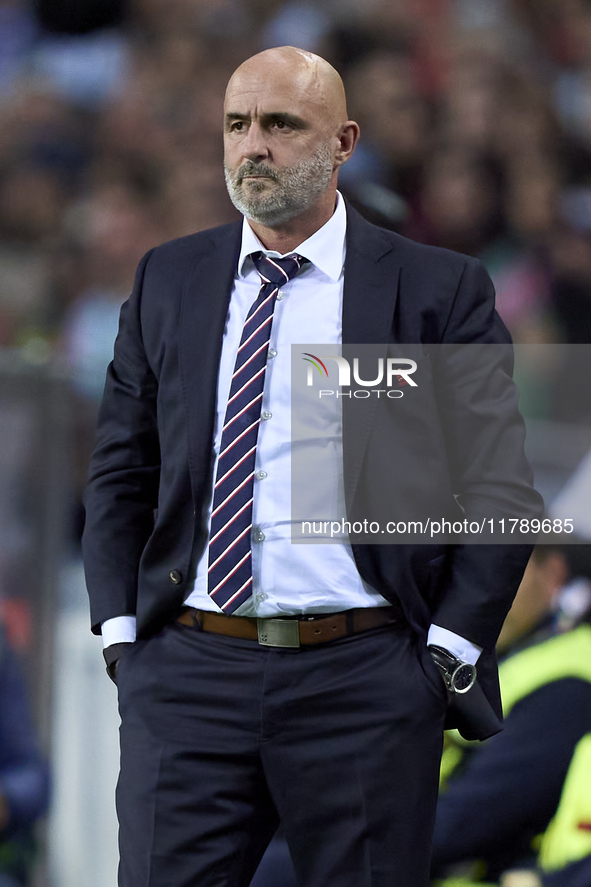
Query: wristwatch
point(459, 676)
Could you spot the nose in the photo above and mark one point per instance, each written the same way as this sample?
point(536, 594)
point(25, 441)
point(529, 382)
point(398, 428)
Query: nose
point(254, 145)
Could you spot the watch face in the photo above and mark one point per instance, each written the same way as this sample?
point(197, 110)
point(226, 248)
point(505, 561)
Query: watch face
point(463, 678)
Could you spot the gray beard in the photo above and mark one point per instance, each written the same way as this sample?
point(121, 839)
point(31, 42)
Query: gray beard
point(299, 187)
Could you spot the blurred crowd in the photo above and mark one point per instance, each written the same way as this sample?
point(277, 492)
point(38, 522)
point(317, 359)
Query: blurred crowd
point(476, 135)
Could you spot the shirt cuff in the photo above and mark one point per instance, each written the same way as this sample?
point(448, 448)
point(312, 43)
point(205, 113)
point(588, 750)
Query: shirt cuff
point(455, 643)
point(118, 630)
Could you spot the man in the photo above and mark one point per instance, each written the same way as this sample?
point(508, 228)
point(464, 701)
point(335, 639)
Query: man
point(330, 718)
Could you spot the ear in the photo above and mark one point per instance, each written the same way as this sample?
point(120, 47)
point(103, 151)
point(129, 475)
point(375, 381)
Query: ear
point(347, 135)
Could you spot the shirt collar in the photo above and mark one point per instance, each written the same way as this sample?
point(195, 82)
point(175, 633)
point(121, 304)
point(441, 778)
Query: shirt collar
point(325, 248)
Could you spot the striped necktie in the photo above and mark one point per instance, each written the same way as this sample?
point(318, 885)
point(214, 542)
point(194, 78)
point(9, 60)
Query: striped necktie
point(230, 567)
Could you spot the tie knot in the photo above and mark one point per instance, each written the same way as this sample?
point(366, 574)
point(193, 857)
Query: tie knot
point(277, 271)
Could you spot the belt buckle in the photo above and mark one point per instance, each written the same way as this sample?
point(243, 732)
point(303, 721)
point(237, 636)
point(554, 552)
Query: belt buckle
point(278, 632)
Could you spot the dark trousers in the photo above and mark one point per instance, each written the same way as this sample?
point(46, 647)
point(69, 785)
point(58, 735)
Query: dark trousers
point(221, 739)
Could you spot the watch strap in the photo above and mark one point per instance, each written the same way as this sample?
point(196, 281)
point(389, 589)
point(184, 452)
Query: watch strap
point(459, 676)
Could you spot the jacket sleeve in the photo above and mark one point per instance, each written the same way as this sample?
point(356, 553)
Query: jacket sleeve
point(122, 492)
point(491, 477)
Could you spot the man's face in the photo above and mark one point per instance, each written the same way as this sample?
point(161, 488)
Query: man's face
point(278, 149)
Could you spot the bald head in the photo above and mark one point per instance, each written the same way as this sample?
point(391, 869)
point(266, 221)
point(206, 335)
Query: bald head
point(308, 76)
point(286, 134)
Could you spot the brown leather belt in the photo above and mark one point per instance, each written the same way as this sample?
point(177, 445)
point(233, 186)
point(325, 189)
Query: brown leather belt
point(294, 631)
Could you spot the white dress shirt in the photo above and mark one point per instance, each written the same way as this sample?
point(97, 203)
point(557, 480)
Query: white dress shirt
point(290, 578)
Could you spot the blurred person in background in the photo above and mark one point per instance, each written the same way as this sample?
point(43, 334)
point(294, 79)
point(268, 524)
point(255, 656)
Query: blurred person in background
point(24, 774)
point(394, 117)
point(498, 797)
point(459, 205)
point(112, 226)
point(116, 221)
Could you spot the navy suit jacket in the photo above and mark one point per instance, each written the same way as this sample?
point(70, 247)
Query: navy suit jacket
point(151, 473)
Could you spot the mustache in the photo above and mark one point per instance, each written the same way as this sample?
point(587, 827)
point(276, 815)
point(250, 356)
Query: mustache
point(257, 169)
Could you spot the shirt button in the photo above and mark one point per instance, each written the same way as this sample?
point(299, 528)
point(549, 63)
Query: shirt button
point(261, 596)
point(261, 475)
point(272, 353)
point(266, 414)
point(258, 535)
point(280, 296)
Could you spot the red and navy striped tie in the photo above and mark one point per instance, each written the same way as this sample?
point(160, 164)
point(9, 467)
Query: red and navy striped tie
point(230, 567)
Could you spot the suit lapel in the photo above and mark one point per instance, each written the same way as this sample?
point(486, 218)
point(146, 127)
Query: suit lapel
point(371, 283)
point(370, 291)
point(206, 297)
